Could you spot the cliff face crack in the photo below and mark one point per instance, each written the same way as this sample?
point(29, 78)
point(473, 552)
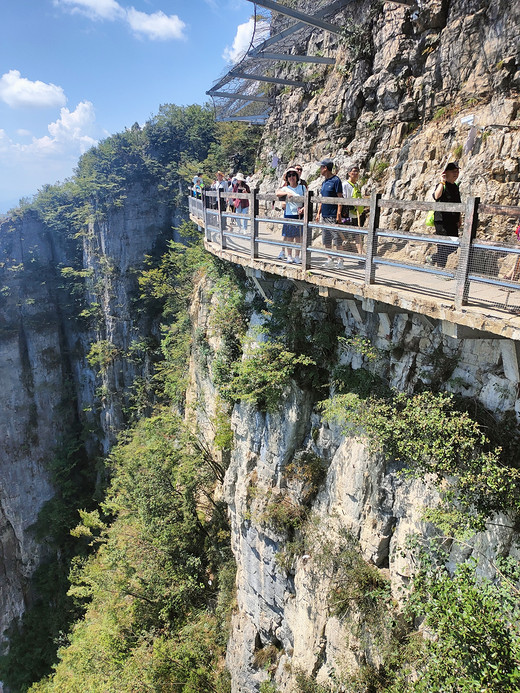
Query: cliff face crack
point(27, 379)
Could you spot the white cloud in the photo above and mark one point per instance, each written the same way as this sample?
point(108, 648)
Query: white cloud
point(23, 133)
point(94, 9)
point(18, 92)
point(26, 166)
point(69, 136)
point(74, 126)
point(157, 26)
point(243, 37)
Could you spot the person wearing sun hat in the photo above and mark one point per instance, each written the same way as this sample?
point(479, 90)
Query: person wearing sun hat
point(292, 233)
point(446, 223)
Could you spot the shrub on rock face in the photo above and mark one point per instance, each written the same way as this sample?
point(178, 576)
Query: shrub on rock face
point(262, 374)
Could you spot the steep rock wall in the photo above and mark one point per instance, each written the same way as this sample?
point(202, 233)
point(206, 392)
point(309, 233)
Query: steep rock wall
point(48, 385)
point(282, 591)
point(393, 103)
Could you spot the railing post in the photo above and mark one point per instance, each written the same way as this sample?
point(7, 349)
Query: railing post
point(221, 219)
point(468, 234)
point(207, 232)
point(306, 231)
point(373, 225)
point(253, 213)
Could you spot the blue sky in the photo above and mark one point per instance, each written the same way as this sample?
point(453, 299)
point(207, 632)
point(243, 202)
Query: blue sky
point(75, 71)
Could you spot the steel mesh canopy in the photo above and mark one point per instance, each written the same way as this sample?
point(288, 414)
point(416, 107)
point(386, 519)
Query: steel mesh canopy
point(247, 91)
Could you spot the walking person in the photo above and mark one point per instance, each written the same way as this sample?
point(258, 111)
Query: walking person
point(241, 206)
point(353, 216)
point(221, 184)
point(446, 223)
point(330, 213)
point(292, 233)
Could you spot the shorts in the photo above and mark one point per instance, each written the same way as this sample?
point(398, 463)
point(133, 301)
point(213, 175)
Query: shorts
point(291, 230)
point(328, 235)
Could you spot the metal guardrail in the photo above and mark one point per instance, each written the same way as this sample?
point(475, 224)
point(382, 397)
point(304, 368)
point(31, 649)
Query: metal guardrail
point(480, 273)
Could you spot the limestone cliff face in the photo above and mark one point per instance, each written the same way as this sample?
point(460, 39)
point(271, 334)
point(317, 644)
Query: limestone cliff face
point(393, 102)
point(114, 249)
point(31, 370)
point(282, 591)
point(47, 385)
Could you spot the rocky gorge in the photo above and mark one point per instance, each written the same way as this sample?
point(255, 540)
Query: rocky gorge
point(321, 519)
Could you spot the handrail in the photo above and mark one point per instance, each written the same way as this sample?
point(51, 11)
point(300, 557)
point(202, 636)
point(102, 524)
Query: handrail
point(473, 261)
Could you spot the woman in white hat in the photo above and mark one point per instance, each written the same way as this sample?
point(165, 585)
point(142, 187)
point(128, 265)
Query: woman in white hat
point(292, 233)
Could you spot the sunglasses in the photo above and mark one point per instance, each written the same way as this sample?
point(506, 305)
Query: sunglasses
point(290, 175)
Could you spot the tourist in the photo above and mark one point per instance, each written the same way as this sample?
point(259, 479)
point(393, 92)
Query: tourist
point(292, 233)
point(329, 213)
point(241, 206)
point(514, 272)
point(299, 168)
point(446, 223)
point(353, 216)
point(198, 186)
point(221, 184)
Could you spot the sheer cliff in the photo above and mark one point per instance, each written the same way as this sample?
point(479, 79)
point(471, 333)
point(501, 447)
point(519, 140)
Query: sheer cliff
point(61, 295)
point(394, 101)
point(334, 489)
point(327, 531)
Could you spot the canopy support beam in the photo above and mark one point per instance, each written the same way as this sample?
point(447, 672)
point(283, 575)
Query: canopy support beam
point(244, 97)
point(274, 80)
point(296, 58)
point(313, 20)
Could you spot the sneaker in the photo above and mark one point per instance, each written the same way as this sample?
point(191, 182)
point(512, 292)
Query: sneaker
point(297, 261)
point(281, 256)
point(329, 263)
point(340, 265)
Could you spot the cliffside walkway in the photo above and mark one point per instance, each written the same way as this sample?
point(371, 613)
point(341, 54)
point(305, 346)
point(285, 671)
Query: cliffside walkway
point(394, 270)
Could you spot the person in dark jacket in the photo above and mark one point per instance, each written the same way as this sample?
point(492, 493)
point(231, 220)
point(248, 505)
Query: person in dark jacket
point(446, 223)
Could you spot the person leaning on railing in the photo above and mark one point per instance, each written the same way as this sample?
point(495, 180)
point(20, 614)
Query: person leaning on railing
point(446, 223)
point(292, 233)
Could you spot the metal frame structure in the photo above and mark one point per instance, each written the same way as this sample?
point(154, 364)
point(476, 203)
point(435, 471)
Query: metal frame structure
point(244, 81)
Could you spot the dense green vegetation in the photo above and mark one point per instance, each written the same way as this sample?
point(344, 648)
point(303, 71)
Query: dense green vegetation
point(151, 567)
point(156, 604)
point(159, 160)
point(163, 154)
